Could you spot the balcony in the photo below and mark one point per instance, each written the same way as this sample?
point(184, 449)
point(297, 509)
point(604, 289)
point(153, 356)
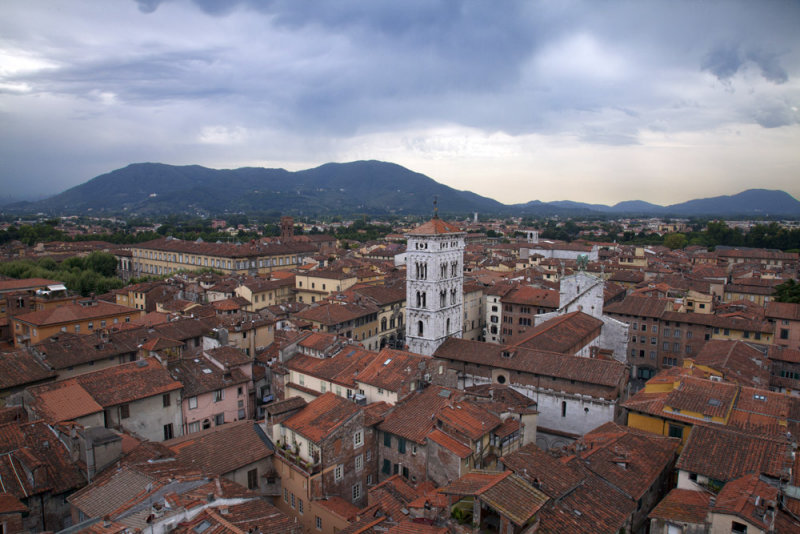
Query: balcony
point(290, 455)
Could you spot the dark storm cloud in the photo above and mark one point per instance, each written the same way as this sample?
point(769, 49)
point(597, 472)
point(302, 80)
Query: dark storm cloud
point(723, 61)
point(769, 65)
point(276, 77)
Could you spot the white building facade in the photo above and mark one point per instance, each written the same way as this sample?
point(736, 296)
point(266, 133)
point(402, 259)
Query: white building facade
point(434, 285)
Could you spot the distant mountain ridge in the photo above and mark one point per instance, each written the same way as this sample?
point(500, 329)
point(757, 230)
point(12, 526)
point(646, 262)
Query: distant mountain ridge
point(359, 187)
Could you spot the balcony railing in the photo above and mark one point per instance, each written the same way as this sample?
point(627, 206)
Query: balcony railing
point(288, 453)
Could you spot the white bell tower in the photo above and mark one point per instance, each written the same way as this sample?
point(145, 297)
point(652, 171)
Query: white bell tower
point(434, 285)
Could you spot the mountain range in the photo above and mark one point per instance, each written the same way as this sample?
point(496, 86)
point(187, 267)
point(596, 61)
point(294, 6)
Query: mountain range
point(360, 187)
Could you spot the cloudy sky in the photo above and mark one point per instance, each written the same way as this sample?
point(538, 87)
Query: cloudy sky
point(587, 101)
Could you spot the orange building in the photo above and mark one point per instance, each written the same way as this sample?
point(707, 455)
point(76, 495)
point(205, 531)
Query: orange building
point(83, 317)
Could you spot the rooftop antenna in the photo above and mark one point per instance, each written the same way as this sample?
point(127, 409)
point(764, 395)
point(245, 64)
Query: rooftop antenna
point(436, 207)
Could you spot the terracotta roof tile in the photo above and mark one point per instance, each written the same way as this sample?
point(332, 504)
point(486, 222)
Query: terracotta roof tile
point(413, 418)
point(608, 374)
point(435, 226)
point(515, 499)
point(565, 334)
point(449, 443)
point(19, 367)
point(322, 416)
point(738, 497)
point(685, 506)
point(128, 382)
point(74, 312)
point(208, 450)
point(64, 400)
point(724, 454)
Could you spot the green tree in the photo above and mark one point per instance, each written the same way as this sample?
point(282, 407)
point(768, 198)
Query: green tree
point(788, 291)
point(675, 241)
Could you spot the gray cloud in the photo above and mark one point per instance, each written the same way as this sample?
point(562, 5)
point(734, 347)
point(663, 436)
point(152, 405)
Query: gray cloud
point(769, 65)
point(319, 76)
point(723, 61)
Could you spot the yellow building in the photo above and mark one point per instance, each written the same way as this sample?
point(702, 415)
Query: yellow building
point(168, 255)
point(675, 400)
point(317, 285)
point(261, 293)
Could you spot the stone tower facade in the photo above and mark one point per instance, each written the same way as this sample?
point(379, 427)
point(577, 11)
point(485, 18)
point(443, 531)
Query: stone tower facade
point(434, 285)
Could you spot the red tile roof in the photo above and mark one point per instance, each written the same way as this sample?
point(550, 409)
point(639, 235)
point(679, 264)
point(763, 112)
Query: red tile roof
point(435, 226)
point(738, 497)
point(609, 374)
point(128, 382)
point(449, 443)
point(19, 367)
point(685, 506)
point(65, 400)
point(69, 313)
point(724, 454)
point(209, 450)
point(322, 416)
point(566, 334)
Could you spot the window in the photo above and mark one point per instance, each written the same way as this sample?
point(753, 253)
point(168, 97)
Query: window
point(91, 325)
point(387, 467)
point(219, 419)
point(358, 439)
point(124, 411)
point(286, 495)
point(387, 439)
point(359, 462)
point(338, 472)
point(292, 499)
point(252, 479)
point(676, 431)
point(653, 341)
point(194, 427)
point(401, 445)
point(356, 491)
point(219, 394)
point(192, 403)
point(677, 333)
point(784, 333)
point(738, 528)
point(300, 506)
point(318, 520)
point(667, 332)
point(165, 401)
point(168, 433)
point(676, 347)
point(563, 408)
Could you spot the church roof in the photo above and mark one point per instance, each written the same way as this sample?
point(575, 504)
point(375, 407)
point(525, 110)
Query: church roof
point(435, 226)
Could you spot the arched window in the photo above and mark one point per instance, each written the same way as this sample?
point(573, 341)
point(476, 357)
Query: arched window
point(419, 299)
point(447, 328)
point(383, 324)
point(443, 270)
point(442, 298)
point(424, 299)
point(420, 328)
point(453, 268)
point(452, 296)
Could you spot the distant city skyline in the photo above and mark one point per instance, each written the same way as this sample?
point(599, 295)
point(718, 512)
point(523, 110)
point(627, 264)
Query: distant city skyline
point(585, 101)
